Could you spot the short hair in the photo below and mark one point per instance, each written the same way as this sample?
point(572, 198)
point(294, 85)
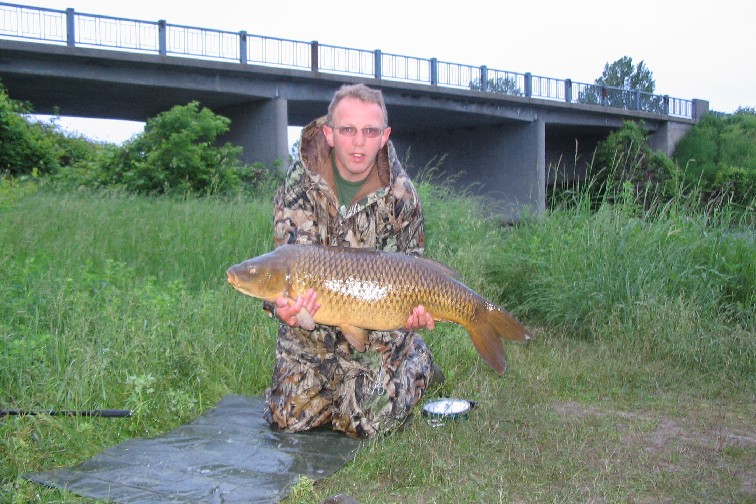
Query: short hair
point(361, 92)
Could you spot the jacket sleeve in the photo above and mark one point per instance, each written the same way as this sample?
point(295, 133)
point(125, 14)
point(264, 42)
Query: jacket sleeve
point(410, 219)
point(294, 215)
point(409, 222)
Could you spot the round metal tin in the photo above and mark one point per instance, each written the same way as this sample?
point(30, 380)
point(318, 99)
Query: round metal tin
point(447, 408)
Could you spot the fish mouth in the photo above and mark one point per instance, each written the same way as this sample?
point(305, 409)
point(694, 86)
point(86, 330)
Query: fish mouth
point(237, 284)
point(232, 279)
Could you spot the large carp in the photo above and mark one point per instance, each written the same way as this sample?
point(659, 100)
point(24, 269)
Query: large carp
point(364, 289)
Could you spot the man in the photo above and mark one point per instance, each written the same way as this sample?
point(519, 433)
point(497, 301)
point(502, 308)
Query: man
point(347, 189)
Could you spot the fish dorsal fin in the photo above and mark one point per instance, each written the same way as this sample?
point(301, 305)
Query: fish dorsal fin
point(443, 268)
point(356, 336)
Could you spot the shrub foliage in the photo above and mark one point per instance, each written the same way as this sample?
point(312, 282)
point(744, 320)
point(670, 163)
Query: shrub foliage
point(719, 157)
point(25, 147)
point(177, 153)
point(625, 167)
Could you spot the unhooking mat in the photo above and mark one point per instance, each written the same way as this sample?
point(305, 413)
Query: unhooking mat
point(229, 454)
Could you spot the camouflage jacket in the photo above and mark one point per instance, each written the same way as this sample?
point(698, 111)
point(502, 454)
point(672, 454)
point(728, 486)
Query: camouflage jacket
point(318, 377)
point(386, 214)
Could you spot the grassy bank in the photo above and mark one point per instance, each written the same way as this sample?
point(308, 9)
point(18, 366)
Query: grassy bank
point(639, 387)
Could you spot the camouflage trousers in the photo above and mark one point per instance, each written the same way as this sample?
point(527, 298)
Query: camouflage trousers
point(320, 379)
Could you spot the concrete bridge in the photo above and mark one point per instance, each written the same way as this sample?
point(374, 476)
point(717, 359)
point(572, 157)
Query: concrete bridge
point(497, 143)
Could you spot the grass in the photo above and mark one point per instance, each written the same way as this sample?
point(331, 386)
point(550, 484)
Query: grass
point(638, 388)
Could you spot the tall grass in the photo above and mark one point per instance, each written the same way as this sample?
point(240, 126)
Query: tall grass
point(668, 281)
point(169, 239)
point(114, 301)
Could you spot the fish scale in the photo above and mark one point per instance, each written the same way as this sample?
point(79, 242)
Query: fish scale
point(363, 289)
point(382, 289)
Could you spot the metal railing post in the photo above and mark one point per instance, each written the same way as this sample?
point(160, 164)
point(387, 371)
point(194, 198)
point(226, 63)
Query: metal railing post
point(70, 27)
point(528, 84)
point(314, 55)
point(243, 47)
point(434, 71)
point(568, 90)
point(637, 99)
point(162, 38)
point(377, 64)
point(484, 78)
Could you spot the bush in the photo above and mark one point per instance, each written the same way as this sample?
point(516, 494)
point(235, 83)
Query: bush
point(25, 148)
point(718, 156)
point(177, 154)
point(736, 184)
point(625, 166)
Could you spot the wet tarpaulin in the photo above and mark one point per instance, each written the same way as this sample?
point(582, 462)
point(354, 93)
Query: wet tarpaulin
point(229, 454)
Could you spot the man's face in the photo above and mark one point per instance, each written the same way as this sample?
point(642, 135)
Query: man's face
point(355, 155)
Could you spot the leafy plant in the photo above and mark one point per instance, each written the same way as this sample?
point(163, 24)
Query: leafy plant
point(25, 148)
point(626, 86)
point(622, 74)
point(624, 165)
point(501, 85)
point(177, 154)
point(718, 156)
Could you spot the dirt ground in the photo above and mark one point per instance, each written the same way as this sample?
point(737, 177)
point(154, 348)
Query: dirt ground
point(705, 445)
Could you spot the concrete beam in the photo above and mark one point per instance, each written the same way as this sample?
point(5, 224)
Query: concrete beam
point(261, 128)
point(504, 163)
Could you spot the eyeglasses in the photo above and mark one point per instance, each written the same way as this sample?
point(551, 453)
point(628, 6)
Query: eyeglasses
point(350, 131)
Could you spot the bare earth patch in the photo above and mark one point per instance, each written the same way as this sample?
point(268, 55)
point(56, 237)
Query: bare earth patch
point(708, 446)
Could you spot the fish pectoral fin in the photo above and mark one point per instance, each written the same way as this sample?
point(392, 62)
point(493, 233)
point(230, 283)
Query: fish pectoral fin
point(305, 319)
point(356, 336)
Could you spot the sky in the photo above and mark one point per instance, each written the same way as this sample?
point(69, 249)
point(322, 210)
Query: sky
point(695, 48)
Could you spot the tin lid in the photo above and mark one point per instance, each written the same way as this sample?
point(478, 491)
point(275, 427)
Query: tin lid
point(447, 408)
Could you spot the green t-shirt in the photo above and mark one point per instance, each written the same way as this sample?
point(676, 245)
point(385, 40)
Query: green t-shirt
point(345, 189)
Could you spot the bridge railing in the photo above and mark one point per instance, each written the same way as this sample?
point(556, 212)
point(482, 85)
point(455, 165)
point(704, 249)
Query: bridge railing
point(397, 67)
point(93, 30)
point(547, 88)
point(276, 52)
point(32, 23)
point(342, 60)
point(114, 33)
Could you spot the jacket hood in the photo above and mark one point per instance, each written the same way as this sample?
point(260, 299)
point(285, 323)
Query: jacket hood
point(315, 154)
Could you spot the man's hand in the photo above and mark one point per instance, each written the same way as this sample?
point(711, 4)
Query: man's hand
point(419, 319)
point(288, 313)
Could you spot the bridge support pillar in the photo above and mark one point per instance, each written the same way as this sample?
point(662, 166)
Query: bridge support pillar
point(261, 128)
point(666, 138)
point(506, 163)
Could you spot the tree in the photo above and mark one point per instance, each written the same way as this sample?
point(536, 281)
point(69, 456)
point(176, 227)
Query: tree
point(719, 156)
point(499, 85)
point(25, 147)
point(625, 85)
point(621, 74)
point(177, 154)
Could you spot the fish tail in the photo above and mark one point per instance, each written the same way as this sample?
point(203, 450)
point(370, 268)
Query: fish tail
point(493, 324)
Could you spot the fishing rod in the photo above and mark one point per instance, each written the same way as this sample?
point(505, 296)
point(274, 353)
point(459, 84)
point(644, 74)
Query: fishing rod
point(107, 413)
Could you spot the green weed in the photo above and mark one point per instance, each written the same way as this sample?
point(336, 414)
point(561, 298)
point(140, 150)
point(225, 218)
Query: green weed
point(643, 323)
